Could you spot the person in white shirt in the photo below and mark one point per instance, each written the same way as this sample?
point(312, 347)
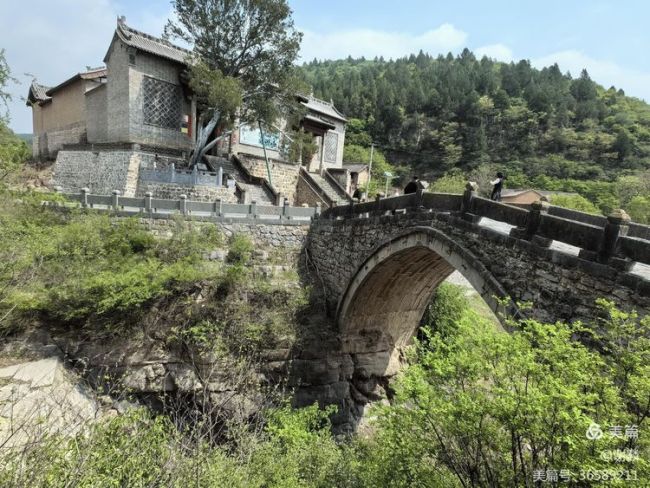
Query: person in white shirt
point(498, 185)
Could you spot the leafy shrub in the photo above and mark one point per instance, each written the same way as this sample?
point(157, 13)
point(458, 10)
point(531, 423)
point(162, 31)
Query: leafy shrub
point(574, 202)
point(240, 249)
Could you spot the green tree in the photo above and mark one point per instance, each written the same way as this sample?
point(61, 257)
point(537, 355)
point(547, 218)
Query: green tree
point(575, 202)
point(243, 59)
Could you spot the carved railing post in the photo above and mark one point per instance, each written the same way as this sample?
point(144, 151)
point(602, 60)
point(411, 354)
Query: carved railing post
point(218, 207)
point(318, 210)
point(84, 197)
point(182, 204)
point(116, 200)
point(285, 210)
point(617, 226)
point(253, 209)
point(471, 191)
point(147, 201)
point(533, 221)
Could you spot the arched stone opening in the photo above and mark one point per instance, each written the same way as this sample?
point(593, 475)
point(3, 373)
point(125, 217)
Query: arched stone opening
point(384, 302)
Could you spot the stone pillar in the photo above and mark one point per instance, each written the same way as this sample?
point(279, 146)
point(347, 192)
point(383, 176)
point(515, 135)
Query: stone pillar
point(195, 175)
point(193, 112)
point(84, 197)
point(116, 200)
point(253, 209)
point(322, 155)
point(533, 221)
point(182, 204)
point(318, 210)
point(218, 207)
point(617, 226)
point(471, 191)
point(172, 172)
point(220, 177)
point(147, 201)
point(285, 210)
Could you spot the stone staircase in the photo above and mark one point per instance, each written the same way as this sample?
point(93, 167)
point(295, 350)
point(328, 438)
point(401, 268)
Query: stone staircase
point(330, 190)
point(254, 193)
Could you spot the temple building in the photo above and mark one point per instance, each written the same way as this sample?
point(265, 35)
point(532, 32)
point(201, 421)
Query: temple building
point(130, 126)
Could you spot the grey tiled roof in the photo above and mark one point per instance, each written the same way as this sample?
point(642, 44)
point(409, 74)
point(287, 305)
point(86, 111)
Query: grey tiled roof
point(85, 75)
point(37, 93)
point(151, 44)
point(355, 167)
point(322, 107)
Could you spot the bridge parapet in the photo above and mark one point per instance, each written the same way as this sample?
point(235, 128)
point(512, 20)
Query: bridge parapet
point(612, 240)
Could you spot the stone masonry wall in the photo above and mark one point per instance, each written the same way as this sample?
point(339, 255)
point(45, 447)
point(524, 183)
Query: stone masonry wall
point(284, 175)
point(305, 194)
point(267, 236)
point(560, 286)
point(101, 172)
point(197, 193)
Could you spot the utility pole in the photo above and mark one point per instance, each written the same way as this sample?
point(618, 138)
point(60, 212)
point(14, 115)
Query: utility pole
point(372, 150)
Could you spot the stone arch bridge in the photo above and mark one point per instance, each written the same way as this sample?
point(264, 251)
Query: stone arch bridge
point(380, 262)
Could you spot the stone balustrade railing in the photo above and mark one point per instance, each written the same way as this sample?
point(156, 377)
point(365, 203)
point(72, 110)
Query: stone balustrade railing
point(181, 176)
point(163, 208)
point(612, 240)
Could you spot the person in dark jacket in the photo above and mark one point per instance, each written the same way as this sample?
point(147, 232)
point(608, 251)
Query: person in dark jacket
point(357, 194)
point(498, 186)
point(413, 186)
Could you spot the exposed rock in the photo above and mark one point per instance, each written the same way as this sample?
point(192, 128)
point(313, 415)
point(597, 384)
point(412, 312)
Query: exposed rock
point(41, 397)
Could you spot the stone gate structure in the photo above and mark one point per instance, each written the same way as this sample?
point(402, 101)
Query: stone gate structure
point(380, 262)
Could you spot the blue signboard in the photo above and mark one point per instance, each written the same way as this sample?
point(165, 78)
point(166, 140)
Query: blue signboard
point(252, 137)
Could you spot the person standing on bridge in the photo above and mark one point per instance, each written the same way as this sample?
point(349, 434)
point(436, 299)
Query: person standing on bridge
point(413, 186)
point(498, 185)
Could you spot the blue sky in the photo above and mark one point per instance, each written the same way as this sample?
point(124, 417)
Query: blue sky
point(53, 39)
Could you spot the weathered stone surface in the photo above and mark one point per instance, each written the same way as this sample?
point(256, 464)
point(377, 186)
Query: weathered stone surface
point(38, 398)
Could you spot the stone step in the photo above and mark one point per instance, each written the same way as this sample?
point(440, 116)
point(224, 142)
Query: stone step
point(328, 188)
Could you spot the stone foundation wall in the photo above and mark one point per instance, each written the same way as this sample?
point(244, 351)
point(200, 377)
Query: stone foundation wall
point(278, 236)
point(198, 193)
point(101, 172)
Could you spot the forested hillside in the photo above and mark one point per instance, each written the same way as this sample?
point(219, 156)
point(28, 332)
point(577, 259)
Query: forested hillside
point(460, 116)
point(460, 111)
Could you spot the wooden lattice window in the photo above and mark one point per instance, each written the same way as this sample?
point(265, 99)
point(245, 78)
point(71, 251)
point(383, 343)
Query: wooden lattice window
point(331, 146)
point(161, 103)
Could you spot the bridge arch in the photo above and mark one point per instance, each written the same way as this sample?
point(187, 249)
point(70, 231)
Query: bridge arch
point(386, 298)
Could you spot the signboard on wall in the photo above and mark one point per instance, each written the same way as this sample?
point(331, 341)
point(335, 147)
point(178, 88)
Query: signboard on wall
point(252, 136)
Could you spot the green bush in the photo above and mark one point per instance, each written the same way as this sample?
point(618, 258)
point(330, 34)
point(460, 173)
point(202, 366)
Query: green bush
point(574, 202)
point(240, 249)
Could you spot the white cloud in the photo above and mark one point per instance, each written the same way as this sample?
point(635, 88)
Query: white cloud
point(606, 73)
point(53, 42)
point(371, 43)
point(500, 52)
